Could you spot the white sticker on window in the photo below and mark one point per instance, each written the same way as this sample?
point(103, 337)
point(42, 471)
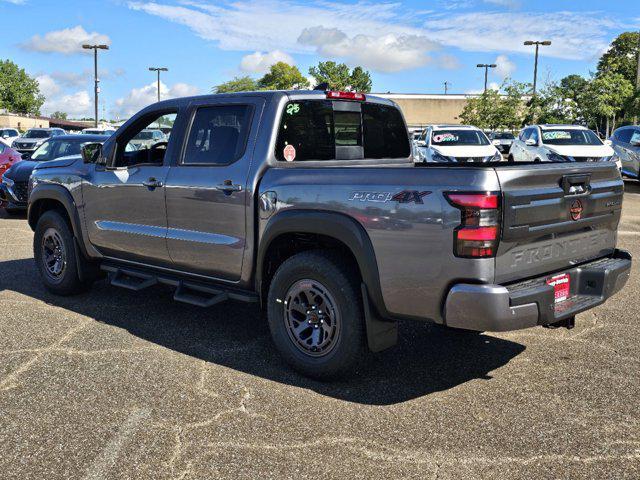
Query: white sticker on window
point(445, 137)
point(289, 153)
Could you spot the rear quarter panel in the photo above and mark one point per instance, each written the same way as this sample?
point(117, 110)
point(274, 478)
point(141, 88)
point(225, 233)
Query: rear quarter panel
point(413, 241)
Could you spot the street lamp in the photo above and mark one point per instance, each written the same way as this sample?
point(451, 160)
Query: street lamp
point(158, 69)
point(546, 43)
point(95, 49)
point(446, 87)
point(486, 67)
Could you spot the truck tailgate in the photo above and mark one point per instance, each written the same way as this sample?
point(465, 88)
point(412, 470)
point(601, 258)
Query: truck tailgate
point(556, 216)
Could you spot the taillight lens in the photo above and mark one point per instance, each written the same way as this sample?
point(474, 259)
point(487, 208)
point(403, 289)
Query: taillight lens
point(3, 168)
point(479, 231)
point(361, 97)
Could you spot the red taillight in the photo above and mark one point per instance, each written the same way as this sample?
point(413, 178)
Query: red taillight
point(479, 231)
point(3, 168)
point(346, 96)
point(477, 200)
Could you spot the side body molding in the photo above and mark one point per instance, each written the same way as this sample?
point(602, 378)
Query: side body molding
point(381, 330)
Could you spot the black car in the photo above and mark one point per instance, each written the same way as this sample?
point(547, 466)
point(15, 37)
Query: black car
point(502, 140)
point(14, 186)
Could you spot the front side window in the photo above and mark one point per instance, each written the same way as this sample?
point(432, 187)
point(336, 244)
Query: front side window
point(456, 137)
point(635, 138)
point(624, 135)
point(218, 135)
point(570, 137)
point(139, 147)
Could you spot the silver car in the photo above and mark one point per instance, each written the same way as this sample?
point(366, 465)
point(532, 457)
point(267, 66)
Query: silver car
point(626, 143)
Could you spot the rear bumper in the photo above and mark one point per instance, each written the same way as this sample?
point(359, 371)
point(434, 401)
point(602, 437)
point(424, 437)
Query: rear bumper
point(499, 308)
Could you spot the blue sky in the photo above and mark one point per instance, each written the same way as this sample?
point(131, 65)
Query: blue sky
point(409, 46)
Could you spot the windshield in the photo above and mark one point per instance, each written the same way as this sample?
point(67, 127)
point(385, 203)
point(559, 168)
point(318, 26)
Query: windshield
point(503, 136)
point(37, 134)
point(570, 137)
point(144, 136)
point(57, 148)
point(458, 137)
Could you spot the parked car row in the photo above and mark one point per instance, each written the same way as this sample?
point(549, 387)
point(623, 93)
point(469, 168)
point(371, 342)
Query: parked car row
point(534, 143)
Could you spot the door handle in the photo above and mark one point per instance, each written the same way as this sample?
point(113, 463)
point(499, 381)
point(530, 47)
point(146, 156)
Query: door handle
point(152, 183)
point(229, 187)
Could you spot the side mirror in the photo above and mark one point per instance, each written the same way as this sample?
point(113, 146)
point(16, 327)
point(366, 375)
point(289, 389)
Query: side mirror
point(608, 142)
point(26, 156)
point(91, 152)
point(496, 142)
point(421, 143)
point(635, 143)
point(531, 142)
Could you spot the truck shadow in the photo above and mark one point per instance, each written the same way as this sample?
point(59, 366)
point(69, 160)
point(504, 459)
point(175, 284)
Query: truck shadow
point(631, 186)
point(427, 359)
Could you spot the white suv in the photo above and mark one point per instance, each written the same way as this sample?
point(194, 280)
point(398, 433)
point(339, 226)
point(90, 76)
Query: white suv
point(559, 143)
point(454, 143)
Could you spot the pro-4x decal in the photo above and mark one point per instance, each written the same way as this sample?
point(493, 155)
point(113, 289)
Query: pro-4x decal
point(409, 196)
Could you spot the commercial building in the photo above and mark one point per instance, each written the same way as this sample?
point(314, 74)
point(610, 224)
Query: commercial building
point(422, 109)
point(23, 122)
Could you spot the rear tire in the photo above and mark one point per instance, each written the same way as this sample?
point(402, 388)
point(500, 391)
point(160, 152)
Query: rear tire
point(315, 315)
point(54, 251)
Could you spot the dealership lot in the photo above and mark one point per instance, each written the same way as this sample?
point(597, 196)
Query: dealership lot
point(114, 384)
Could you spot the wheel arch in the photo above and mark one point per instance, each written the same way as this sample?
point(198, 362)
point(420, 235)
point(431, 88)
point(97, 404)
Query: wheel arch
point(332, 225)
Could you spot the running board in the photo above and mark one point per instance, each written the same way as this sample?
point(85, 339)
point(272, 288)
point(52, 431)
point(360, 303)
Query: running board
point(192, 292)
point(131, 280)
point(199, 296)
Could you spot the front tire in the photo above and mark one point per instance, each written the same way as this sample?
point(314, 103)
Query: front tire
point(315, 315)
point(55, 255)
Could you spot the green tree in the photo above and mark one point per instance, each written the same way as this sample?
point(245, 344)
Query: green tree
point(19, 92)
point(492, 110)
point(606, 96)
point(339, 77)
point(282, 76)
point(59, 115)
point(238, 84)
point(622, 56)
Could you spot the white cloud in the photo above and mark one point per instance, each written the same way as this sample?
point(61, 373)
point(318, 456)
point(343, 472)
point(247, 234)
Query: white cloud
point(67, 41)
point(505, 67)
point(490, 86)
point(78, 104)
point(259, 62)
point(386, 53)
point(378, 28)
point(504, 3)
point(16, 2)
point(138, 98)
point(574, 35)
point(48, 85)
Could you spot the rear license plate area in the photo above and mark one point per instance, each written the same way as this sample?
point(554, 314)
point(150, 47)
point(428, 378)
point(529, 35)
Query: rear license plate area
point(561, 286)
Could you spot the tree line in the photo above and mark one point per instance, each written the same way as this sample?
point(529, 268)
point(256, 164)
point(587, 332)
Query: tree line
point(282, 76)
point(608, 98)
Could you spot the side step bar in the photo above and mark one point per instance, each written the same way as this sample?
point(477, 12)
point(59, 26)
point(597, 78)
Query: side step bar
point(187, 291)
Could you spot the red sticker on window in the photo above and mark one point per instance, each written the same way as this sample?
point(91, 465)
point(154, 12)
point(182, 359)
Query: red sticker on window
point(289, 153)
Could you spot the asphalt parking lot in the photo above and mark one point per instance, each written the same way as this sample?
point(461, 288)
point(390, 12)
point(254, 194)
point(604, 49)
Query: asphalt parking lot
point(114, 384)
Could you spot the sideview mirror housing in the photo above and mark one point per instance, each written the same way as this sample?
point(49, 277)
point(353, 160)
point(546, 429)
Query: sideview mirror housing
point(421, 143)
point(91, 152)
point(608, 142)
point(636, 143)
point(531, 142)
point(496, 142)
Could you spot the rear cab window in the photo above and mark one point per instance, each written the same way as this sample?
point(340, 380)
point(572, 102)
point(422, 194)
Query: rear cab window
point(323, 130)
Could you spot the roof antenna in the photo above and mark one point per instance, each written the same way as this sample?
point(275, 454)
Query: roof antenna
point(324, 86)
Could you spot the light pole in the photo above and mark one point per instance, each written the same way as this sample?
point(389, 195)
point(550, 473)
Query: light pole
point(546, 43)
point(158, 70)
point(486, 67)
point(446, 87)
point(95, 49)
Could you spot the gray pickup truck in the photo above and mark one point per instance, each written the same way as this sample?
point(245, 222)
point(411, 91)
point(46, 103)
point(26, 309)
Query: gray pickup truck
point(309, 203)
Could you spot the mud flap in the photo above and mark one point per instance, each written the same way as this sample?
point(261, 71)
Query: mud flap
point(381, 333)
point(87, 271)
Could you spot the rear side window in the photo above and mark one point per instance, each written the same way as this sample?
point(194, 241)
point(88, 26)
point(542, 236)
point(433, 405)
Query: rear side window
point(218, 135)
point(312, 130)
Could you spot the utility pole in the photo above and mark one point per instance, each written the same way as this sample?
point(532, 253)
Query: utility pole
point(446, 87)
point(158, 70)
point(486, 67)
point(537, 43)
point(95, 49)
